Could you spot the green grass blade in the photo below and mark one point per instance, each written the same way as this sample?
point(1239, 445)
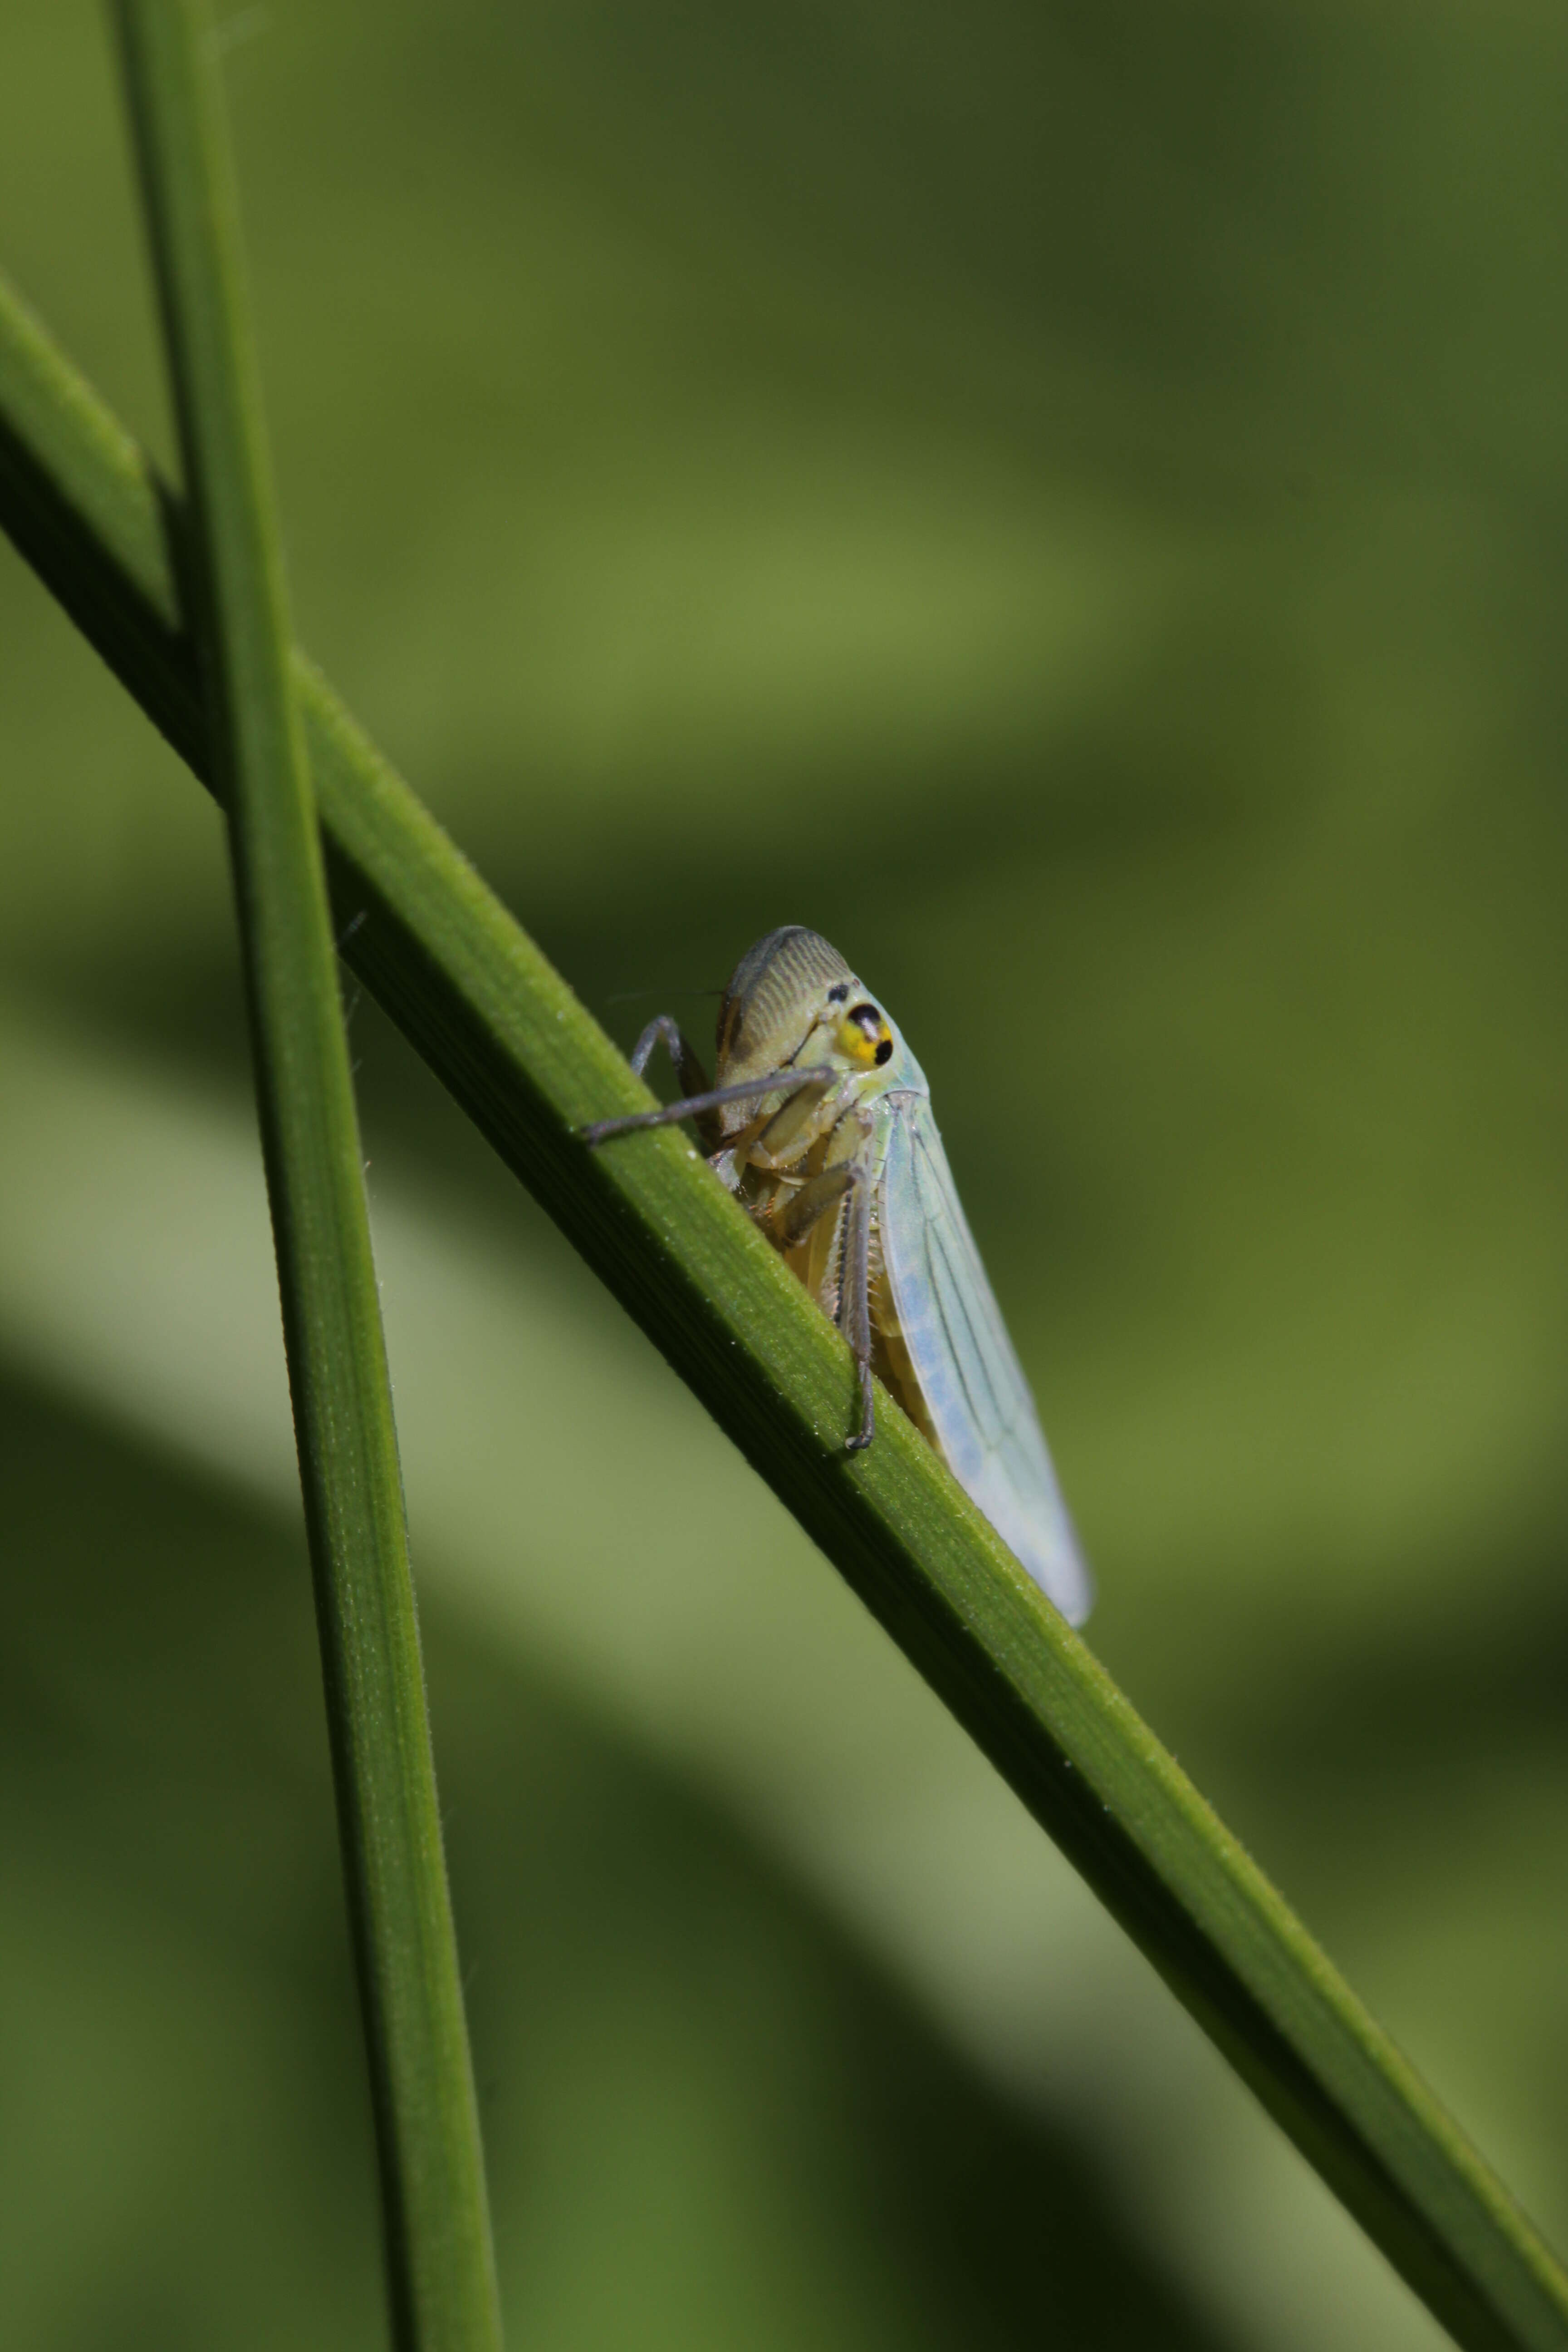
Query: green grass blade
point(507, 1036)
point(438, 2229)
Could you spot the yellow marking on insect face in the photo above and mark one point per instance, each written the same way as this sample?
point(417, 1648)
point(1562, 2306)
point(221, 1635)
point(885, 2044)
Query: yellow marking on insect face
point(863, 1037)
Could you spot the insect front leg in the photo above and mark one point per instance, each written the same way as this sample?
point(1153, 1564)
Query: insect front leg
point(665, 1030)
point(791, 1225)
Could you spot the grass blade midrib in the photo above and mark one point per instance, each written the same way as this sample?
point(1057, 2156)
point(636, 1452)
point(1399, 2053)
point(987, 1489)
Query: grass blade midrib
point(510, 1040)
point(436, 2229)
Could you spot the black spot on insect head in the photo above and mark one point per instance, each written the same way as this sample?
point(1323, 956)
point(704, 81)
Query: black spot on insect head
point(835, 995)
point(884, 1052)
point(867, 1017)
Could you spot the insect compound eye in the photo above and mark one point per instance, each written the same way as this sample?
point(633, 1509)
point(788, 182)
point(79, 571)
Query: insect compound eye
point(865, 1017)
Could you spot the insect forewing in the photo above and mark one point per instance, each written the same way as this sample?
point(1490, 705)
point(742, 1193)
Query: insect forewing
point(972, 1383)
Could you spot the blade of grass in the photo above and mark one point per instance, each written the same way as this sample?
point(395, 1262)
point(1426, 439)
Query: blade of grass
point(439, 2263)
point(507, 1036)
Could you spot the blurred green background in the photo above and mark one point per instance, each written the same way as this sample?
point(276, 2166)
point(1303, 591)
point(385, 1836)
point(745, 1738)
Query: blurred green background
point(1070, 501)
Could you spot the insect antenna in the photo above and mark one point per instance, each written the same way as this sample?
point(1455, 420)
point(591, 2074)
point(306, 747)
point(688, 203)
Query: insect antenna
point(641, 995)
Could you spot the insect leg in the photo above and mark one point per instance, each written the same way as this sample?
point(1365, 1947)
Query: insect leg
point(792, 1224)
point(795, 1219)
point(664, 1030)
point(667, 1031)
point(854, 1302)
point(692, 1107)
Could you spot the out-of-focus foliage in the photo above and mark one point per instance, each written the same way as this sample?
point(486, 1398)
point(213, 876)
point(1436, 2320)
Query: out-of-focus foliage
point(709, 2121)
point(1068, 501)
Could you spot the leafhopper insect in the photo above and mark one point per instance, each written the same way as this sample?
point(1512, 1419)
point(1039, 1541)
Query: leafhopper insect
point(820, 1123)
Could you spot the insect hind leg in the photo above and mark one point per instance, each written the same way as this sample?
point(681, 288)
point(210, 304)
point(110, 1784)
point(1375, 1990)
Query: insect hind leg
point(792, 1225)
point(855, 1304)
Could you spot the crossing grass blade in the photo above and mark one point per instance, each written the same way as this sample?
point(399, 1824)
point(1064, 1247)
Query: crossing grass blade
point(507, 1036)
point(437, 2224)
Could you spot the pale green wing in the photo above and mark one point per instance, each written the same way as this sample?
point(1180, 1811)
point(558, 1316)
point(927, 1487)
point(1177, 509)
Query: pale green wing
point(972, 1383)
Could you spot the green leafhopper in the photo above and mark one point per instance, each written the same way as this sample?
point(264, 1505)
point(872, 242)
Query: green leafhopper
point(820, 1123)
